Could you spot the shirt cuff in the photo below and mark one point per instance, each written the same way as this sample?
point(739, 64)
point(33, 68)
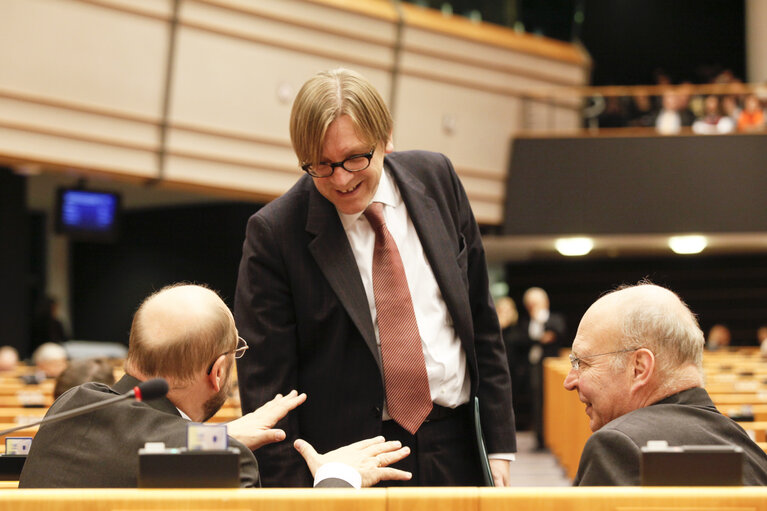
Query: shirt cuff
point(508, 456)
point(335, 470)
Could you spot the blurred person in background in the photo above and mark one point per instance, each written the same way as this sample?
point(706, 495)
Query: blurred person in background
point(752, 117)
point(546, 331)
point(46, 325)
point(9, 358)
point(50, 359)
point(98, 370)
point(719, 337)
point(517, 345)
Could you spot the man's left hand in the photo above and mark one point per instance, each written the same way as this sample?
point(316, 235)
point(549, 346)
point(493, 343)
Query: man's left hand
point(500, 470)
point(255, 429)
point(371, 458)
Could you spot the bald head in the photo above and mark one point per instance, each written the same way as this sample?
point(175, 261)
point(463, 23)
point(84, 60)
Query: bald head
point(178, 331)
point(652, 317)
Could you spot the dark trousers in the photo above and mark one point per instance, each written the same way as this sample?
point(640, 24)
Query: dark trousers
point(443, 452)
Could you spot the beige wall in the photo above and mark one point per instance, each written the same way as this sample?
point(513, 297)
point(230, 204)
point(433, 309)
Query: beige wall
point(83, 86)
point(756, 40)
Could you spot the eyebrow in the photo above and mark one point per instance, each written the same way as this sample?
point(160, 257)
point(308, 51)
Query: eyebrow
point(347, 154)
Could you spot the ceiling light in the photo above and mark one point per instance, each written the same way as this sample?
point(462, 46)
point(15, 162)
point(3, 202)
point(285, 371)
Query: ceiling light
point(574, 246)
point(693, 244)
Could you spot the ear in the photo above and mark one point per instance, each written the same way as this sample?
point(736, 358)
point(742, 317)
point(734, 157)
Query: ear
point(643, 366)
point(216, 376)
point(389, 145)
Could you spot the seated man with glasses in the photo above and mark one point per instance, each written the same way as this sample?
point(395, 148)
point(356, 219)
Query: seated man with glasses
point(637, 366)
point(186, 335)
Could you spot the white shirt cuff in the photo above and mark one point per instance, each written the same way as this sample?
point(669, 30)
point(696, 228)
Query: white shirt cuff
point(508, 456)
point(335, 470)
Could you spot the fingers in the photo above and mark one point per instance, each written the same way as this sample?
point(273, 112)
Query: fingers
point(255, 439)
point(387, 458)
point(373, 476)
point(382, 447)
point(306, 450)
point(368, 442)
point(268, 436)
point(393, 474)
point(290, 400)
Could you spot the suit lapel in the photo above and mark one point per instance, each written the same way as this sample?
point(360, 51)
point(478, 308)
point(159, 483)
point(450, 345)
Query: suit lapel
point(430, 225)
point(333, 254)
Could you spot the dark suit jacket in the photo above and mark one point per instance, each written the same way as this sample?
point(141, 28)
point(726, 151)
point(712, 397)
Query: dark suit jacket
point(301, 305)
point(100, 449)
point(612, 454)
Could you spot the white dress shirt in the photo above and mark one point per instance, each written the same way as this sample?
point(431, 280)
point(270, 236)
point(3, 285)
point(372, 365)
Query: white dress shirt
point(444, 356)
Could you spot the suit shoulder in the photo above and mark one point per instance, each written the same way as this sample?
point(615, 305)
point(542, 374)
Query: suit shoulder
point(418, 161)
point(289, 205)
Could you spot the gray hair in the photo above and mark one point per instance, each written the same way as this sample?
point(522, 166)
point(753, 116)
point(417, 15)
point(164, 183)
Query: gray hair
point(660, 321)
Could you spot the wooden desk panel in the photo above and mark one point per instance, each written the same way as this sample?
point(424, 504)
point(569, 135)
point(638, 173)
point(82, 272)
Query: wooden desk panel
point(304, 499)
point(393, 499)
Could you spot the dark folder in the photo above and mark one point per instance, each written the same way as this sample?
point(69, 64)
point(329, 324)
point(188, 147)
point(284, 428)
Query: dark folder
point(484, 462)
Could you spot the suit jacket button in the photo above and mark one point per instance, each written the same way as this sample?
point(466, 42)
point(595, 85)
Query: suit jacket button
point(377, 412)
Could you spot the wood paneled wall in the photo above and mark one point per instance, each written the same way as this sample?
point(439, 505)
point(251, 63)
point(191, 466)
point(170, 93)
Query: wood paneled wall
point(198, 92)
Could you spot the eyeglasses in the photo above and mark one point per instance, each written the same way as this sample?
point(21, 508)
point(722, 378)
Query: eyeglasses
point(575, 362)
point(239, 351)
point(354, 163)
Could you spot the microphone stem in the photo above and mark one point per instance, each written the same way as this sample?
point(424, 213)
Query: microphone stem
point(71, 413)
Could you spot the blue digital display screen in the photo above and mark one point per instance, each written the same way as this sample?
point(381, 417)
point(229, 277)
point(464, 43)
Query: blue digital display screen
point(88, 215)
point(91, 211)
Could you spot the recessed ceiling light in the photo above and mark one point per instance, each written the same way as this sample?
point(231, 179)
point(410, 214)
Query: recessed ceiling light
point(693, 244)
point(574, 246)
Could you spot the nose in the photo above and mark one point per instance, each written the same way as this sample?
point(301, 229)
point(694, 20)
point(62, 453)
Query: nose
point(571, 380)
point(341, 177)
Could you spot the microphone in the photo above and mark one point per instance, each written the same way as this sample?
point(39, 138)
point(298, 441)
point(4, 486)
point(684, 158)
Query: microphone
point(150, 389)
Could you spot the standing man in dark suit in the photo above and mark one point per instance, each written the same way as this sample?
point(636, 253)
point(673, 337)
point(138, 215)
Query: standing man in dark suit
point(324, 302)
point(637, 365)
point(547, 331)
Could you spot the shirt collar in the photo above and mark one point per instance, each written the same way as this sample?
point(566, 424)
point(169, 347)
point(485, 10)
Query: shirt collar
point(387, 193)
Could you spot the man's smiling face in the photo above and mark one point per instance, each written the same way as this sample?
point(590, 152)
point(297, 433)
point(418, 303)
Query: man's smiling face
point(350, 192)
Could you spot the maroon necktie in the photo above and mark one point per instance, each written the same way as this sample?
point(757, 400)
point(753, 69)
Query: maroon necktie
point(407, 386)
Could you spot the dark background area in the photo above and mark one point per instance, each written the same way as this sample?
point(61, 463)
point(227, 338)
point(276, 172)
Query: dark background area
point(731, 290)
point(156, 247)
point(688, 39)
point(637, 185)
point(691, 40)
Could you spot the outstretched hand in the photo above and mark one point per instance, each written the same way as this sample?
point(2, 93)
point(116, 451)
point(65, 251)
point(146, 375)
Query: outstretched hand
point(370, 457)
point(255, 429)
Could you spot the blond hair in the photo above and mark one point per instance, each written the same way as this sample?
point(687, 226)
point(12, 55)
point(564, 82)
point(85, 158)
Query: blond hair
point(329, 95)
point(178, 331)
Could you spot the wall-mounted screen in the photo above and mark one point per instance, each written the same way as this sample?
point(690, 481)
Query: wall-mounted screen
point(87, 215)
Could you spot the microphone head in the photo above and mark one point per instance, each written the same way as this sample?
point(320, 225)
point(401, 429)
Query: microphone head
point(152, 389)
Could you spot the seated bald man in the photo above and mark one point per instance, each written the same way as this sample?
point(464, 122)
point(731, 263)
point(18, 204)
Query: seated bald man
point(185, 334)
point(637, 365)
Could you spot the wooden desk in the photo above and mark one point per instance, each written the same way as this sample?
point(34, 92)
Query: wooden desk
point(393, 499)
point(566, 425)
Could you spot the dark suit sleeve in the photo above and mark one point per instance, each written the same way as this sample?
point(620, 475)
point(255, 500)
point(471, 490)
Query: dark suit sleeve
point(265, 317)
point(609, 458)
point(333, 482)
point(249, 477)
point(494, 389)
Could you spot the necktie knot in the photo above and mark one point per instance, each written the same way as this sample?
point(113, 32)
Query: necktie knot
point(374, 214)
